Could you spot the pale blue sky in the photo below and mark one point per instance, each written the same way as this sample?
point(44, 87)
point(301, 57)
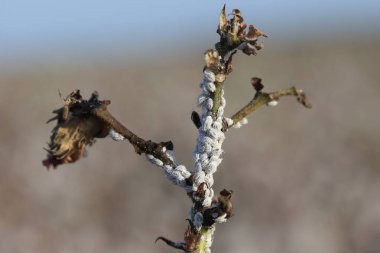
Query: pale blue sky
point(30, 27)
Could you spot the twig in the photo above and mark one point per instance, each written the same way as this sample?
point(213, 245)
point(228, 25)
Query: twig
point(141, 146)
point(80, 121)
point(262, 98)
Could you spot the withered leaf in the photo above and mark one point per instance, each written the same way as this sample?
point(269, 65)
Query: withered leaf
point(75, 130)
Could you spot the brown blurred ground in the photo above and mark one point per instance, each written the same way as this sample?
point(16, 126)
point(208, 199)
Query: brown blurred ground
point(304, 180)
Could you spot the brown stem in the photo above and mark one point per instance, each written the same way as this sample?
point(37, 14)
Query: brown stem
point(140, 145)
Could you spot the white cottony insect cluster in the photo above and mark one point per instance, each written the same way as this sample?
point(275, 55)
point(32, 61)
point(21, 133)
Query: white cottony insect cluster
point(116, 136)
point(208, 150)
point(207, 156)
point(239, 124)
point(177, 173)
point(210, 139)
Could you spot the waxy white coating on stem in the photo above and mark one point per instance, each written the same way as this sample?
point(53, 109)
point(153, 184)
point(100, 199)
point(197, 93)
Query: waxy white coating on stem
point(207, 152)
point(115, 135)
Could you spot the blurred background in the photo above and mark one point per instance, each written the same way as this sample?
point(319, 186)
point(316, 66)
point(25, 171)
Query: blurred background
point(303, 180)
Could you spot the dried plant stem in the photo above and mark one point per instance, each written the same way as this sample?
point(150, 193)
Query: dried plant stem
point(140, 145)
point(262, 98)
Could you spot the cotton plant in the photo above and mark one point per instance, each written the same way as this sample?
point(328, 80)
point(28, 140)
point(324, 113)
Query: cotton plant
point(80, 122)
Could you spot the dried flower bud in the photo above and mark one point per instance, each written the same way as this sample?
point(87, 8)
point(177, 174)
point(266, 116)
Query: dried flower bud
point(256, 83)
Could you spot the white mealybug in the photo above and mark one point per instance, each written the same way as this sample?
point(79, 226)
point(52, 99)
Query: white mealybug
point(221, 218)
point(273, 103)
point(115, 135)
point(168, 167)
point(201, 99)
point(199, 178)
point(229, 121)
point(220, 112)
point(207, 123)
point(244, 121)
point(217, 124)
point(207, 148)
point(196, 155)
point(197, 167)
point(205, 111)
point(176, 178)
point(237, 125)
point(207, 140)
point(177, 174)
point(209, 104)
point(207, 201)
point(210, 86)
point(198, 220)
point(223, 102)
point(216, 160)
point(170, 155)
point(211, 193)
point(203, 161)
point(169, 176)
point(209, 180)
point(184, 172)
point(213, 133)
point(211, 167)
point(217, 152)
point(156, 161)
point(209, 76)
point(221, 138)
point(207, 192)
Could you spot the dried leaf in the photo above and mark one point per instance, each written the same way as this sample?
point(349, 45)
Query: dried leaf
point(76, 129)
point(222, 21)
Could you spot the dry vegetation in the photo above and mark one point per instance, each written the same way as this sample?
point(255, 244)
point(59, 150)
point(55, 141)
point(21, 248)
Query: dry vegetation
point(312, 177)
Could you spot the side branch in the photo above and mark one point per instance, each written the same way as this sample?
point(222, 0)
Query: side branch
point(262, 98)
point(80, 122)
point(140, 145)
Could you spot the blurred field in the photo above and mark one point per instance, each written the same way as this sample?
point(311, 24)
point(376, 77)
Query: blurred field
point(303, 180)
